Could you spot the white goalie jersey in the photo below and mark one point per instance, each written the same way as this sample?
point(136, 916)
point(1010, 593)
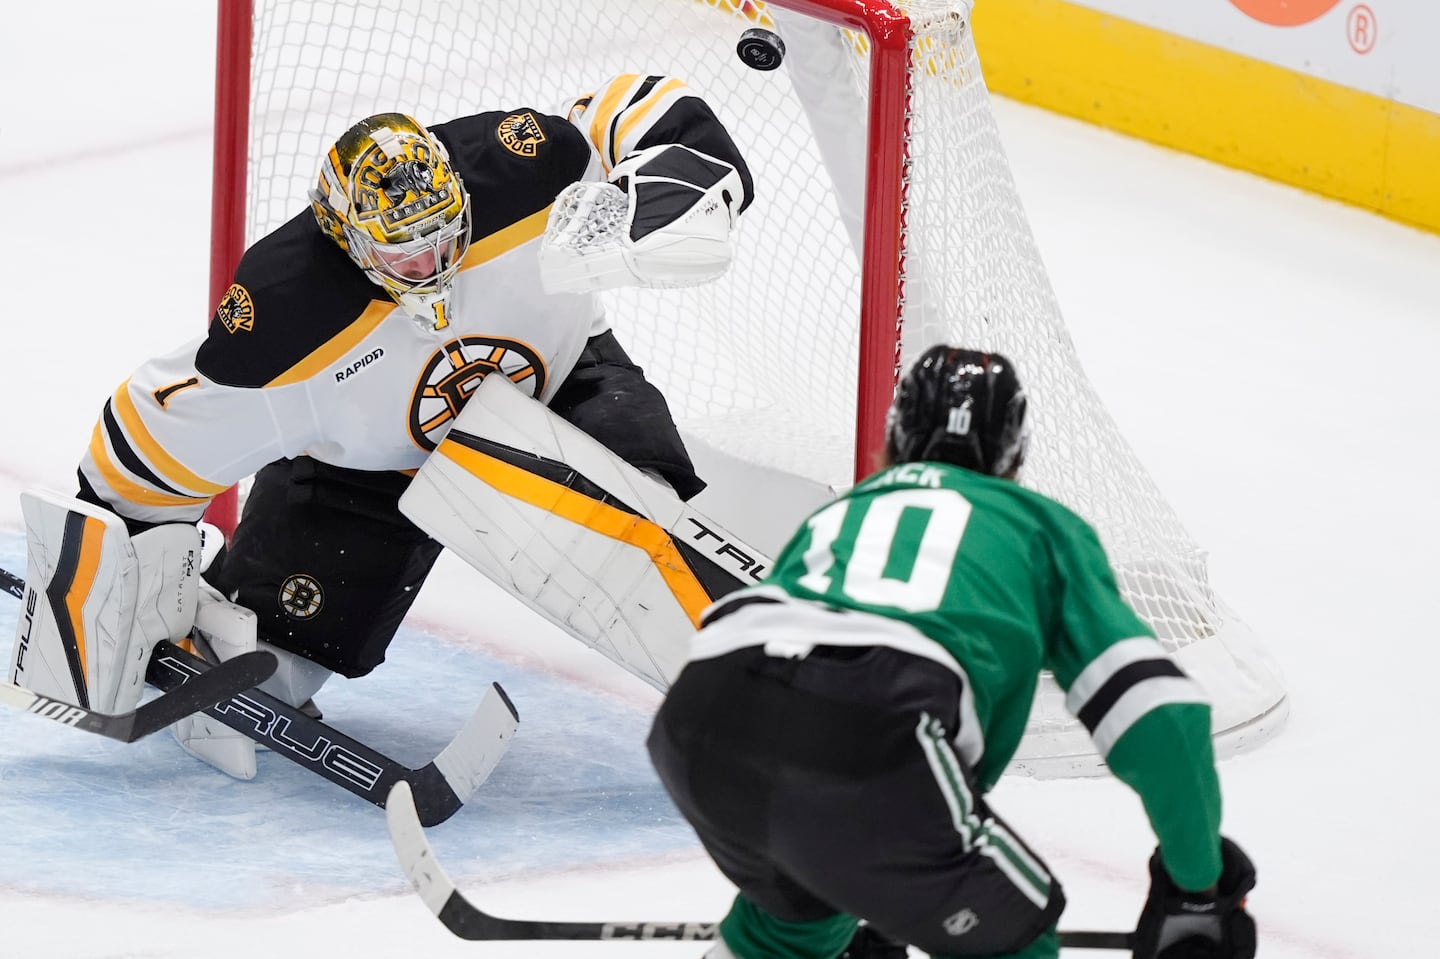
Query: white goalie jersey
point(305, 356)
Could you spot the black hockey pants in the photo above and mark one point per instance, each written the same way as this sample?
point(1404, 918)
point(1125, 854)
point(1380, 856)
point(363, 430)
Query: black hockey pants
point(828, 785)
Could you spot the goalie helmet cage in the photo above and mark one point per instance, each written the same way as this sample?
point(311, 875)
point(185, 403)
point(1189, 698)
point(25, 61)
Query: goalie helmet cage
point(790, 360)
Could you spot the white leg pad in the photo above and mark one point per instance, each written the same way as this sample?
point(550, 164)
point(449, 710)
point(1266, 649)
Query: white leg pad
point(223, 630)
point(97, 600)
point(591, 543)
point(296, 679)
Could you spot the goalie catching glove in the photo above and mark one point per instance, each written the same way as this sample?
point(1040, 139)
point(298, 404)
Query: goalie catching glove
point(665, 218)
point(97, 600)
point(1176, 924)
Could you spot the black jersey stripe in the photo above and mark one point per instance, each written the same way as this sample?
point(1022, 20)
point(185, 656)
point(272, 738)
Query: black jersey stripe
point(646, 86)
point(561, 474)
point(127, 456)
point(720, 610)
point(1120, 682)
point(610, 145)
point(57, 592)
point(612, 135)
point(120, 483)
point(153, 450)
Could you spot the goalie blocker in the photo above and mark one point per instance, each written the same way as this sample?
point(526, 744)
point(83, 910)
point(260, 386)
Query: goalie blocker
point(596, 546)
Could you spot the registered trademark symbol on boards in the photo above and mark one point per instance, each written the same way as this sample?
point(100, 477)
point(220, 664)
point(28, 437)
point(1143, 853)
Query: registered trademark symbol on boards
point(1361, 27)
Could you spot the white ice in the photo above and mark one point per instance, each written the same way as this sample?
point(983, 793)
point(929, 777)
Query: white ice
point(1269, 355)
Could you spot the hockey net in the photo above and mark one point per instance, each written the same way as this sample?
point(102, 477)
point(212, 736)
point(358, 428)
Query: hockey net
point(793, 355)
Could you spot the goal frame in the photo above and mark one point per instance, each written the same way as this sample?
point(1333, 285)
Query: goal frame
point(900, 215)
point(234, 28)
point(881, 289)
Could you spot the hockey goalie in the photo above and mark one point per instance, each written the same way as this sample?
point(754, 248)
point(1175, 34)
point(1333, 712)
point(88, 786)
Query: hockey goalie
point(418, 359)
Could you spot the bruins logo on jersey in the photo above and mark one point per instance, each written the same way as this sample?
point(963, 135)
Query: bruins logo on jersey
point(520, 133)
point(301, 596)
point(236, 311)
point(453, 373)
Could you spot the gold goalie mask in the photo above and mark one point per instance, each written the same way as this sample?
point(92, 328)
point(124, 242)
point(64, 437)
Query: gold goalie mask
point(389, 197)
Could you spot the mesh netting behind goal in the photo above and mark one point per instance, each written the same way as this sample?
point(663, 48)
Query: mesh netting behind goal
point(764, 364)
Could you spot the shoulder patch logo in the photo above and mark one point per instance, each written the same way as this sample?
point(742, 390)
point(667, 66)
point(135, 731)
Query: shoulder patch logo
point(520, 133)
point(236, 311)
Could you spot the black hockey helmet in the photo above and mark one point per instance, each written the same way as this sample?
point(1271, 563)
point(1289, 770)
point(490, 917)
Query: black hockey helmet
point(962, 407)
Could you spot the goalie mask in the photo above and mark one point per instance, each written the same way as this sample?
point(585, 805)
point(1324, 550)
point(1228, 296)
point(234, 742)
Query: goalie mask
point(961, 407)
point(389, 197)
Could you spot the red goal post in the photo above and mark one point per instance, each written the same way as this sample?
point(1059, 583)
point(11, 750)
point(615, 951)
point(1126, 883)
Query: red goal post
point(888, 31)
point(886, 219)
point(227, 190)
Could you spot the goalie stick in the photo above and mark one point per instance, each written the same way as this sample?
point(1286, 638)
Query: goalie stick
point(468, 921)
point(440, 787)
point(234, 676)
point(12, 584)
point(229, 678)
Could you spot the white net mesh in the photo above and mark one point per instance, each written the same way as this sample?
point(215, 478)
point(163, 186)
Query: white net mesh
point(763, 363)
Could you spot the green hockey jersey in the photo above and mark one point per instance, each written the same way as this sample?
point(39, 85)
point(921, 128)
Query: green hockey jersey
point(997, 583)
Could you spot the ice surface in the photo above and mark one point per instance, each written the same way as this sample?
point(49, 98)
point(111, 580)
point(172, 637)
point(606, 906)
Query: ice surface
point(1269, 355)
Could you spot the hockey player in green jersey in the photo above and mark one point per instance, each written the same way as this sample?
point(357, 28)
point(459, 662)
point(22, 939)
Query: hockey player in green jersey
point(836, 727)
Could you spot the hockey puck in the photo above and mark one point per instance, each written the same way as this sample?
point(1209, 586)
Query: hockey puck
point(760, 49)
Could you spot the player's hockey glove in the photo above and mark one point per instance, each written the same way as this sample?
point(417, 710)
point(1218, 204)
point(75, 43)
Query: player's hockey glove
point(1176, 924)
point(665, 218)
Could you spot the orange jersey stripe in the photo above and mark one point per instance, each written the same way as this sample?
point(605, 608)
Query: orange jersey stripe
point(605, 112)
point(128, 488)
point(501, 241)
point(592, 514)
point(141, 438)
point(643, 109)
point(338, 345)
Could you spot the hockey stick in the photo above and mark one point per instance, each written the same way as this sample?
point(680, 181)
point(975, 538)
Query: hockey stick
point(12, 584)
point(440, 787)
point(227, 679)
point(232, 677)
point(468, 921)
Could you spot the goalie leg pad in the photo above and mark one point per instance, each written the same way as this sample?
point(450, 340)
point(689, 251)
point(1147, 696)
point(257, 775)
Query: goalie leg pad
point(98, 600)
point(223, 631)
point(296, 679)
point(607, 553)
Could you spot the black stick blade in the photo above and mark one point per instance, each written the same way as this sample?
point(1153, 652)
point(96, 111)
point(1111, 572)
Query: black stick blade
point(213, 686)
point(220, 683)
